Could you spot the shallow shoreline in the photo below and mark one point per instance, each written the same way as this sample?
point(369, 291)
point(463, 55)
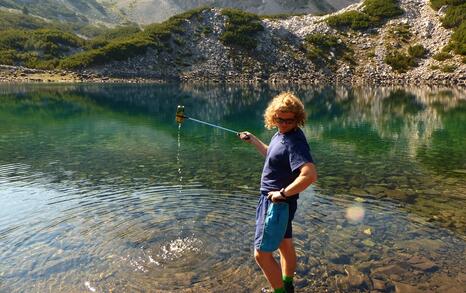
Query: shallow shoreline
point(17, 74)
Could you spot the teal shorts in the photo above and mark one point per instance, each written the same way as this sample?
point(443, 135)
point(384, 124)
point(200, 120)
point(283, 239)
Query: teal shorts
point(273, 223)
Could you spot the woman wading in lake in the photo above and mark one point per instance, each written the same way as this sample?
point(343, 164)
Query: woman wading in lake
point(288, 170)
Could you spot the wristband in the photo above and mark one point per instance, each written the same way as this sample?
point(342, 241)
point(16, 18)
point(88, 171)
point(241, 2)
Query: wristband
point(282, 192)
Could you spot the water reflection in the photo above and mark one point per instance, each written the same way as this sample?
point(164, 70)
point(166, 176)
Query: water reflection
point(100, 176)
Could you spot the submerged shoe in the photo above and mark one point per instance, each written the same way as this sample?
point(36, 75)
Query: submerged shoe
point(289, 288)
point(266, 290)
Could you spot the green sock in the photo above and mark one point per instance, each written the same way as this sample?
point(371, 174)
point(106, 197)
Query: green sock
point(287, 279)
point(279, 290)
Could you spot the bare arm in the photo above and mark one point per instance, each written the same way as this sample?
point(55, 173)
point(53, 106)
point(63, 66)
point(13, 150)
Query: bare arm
point(307, 176)
point(252, 139)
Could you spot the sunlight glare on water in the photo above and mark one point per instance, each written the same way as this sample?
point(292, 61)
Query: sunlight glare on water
point(179, 247)
point(355, 214)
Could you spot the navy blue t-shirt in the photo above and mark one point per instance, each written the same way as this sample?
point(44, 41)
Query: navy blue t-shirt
point(285, 155)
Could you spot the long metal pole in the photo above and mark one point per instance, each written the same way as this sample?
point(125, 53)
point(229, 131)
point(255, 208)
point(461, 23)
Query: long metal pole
point(213, 125)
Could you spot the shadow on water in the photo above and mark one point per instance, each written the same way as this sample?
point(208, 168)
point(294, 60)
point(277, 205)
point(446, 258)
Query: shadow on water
point(101, 177)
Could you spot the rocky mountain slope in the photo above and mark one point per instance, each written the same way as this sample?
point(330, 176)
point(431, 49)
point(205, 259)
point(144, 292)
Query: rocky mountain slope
point(149, 11)
point(402, 43)
point(282, 52)
point(420, 22)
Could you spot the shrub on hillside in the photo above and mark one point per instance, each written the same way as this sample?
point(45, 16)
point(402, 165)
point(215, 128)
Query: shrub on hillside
point(454, 16)
point(124, 49)
point(320, 47)
point(398, 36)
point(401, 32)
point(448, 68)
point(417, 51)
point(83, 59)
point(115, 51)
point(206, 30)
point(238, 40)
point(351, 19)
point(241, 29)
point(53, 42)
point(458, 39)
point(323, 41)
point(442, 56)
point(382, 9)
point(373, 14)
point(112, 34)
point(400, 61)
point(437, 4)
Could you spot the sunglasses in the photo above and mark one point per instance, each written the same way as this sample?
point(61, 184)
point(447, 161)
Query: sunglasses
point(284, 121)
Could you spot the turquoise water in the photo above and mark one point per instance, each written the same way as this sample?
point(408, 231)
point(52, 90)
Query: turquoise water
point(100, 189)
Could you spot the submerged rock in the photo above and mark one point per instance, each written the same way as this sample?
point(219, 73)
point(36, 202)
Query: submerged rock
point(422, 263)
point(353, 280)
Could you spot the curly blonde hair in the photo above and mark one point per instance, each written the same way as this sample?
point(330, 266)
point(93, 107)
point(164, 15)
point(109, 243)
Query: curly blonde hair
point(284, 102)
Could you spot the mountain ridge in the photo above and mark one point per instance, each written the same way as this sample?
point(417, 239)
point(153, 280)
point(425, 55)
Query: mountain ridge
point(150, 11)
point(74, 11)
point(116, 12)
point(405, 46)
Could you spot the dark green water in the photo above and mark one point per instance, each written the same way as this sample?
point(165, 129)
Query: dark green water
point(100, 190)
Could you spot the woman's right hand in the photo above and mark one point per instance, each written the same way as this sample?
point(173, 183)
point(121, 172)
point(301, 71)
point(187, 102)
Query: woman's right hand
point(245, 136)
point(251, 139)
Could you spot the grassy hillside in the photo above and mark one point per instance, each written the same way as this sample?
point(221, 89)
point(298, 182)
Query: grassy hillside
point(41, 48)
point(10, 20)
point(107, 45)
point(128, 44)
point(33, 42)
point(241, 29)
point(46, 8)
point(375, 12)
point(455, 18)
point(111, 35)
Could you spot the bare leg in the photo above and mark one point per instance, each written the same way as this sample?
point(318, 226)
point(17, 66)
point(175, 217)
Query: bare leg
point(287, 257)
point(270, 268)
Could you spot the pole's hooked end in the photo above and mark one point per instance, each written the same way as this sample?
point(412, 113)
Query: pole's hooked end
point(180, 114)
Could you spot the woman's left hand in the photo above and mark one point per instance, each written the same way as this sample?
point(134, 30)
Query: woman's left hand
point(275, 196)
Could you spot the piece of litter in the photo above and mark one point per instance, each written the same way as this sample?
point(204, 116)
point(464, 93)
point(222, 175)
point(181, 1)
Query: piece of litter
point(368, 231)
